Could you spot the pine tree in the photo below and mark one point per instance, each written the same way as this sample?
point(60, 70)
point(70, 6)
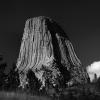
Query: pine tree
point(33, 83)
point(3, 65)
point(12, 79)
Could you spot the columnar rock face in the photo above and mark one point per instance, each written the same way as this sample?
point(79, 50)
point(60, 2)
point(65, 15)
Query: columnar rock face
point(48, 52)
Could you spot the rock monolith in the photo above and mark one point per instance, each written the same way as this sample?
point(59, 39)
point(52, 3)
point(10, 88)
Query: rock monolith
point(49, 53)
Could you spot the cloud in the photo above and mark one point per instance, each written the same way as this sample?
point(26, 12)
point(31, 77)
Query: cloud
point(93, 69)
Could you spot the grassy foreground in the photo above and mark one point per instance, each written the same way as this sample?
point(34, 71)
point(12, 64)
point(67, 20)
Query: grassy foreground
point(86, 92)
point(20, 96)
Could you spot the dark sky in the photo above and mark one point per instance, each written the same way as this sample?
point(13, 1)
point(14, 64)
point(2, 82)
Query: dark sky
point(80, 20)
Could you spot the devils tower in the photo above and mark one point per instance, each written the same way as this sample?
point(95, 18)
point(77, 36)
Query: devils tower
point(49, 53)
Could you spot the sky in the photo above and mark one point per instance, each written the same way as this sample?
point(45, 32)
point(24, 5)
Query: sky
point(80, 20)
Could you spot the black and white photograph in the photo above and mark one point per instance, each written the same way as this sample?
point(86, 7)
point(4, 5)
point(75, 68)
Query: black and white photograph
point(49, 50)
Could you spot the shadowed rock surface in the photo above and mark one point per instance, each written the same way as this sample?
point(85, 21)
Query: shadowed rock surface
point(48, 52)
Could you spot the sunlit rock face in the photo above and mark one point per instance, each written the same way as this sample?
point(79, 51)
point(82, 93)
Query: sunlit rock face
point(47, 50)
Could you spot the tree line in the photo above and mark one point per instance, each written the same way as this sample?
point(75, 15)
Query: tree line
point(11, 82)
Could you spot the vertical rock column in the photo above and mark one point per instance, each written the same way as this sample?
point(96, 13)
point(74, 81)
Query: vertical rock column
point(45, 48)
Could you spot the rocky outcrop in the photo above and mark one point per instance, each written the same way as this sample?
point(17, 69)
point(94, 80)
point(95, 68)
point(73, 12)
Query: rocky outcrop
point(48, 52)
